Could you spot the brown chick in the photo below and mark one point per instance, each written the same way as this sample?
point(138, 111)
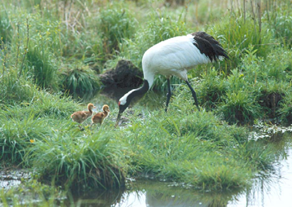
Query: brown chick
point(100, 116)
point(81, 116)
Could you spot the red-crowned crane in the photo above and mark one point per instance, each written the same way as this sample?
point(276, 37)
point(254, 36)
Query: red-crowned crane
point(174, 57)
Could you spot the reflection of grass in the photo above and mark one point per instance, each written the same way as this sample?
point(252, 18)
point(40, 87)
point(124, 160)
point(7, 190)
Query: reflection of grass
point(165, 193)
point(32, 193)
point(271, 180)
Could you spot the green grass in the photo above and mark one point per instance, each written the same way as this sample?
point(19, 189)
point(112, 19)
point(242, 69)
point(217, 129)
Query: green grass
point(237, 35)
point(239, 107)
point(40, 68)
point(186, 149)
point(5, 28)
point(276, 66)
point(41, 134)
point(257, 158)
point(279, 21)
point(30, 120)
point(115, 24)
point(212, 89)
point(68, 157)
point(14, 90)
point(286, 110)
point(16, 136)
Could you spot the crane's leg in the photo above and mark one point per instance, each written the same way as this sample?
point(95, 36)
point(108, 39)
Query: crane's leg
point(194, 94)
point(168, 95)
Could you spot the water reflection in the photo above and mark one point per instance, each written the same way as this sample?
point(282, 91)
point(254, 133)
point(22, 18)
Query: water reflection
point(151, 193)
point(272, 188)
point(165, 194)
point(97, 198)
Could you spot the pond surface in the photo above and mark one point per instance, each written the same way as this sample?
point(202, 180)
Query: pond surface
point(270, 190)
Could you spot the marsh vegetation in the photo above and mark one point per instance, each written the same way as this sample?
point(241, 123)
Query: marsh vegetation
point(56, 54)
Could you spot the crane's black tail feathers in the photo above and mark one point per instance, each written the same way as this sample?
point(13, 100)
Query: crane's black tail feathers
point(209, 46)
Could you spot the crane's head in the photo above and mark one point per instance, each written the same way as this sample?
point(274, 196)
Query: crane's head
point(123, 104)
point(125, 101)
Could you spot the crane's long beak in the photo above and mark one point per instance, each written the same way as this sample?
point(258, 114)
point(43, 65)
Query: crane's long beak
point(118, 119)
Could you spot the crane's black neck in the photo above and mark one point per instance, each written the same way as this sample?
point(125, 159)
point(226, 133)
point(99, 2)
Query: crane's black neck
point(135, 93)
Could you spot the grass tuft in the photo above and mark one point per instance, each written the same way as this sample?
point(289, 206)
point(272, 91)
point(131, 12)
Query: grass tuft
point(239, 107)
point(74, 160)
point(17, 135)
point(212, 89)
point(80, 80)
point(15, 90)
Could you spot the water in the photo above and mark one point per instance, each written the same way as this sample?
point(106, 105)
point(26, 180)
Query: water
point(272, 191)
point(273, 188)
point(151, 193)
